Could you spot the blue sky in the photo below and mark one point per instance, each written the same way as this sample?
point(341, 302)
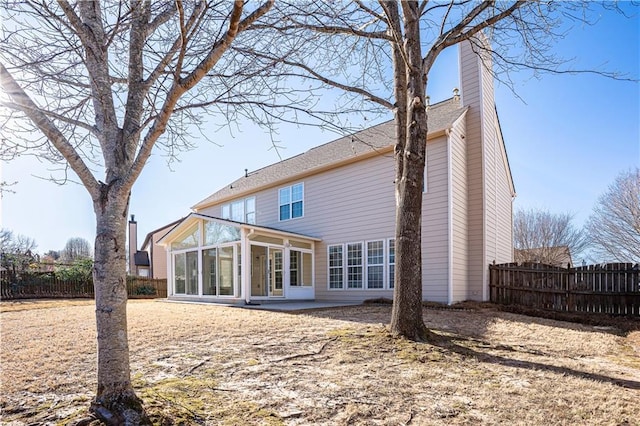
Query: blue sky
point(567, 139)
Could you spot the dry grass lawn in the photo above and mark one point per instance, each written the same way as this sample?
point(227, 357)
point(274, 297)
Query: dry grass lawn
point(207, 364)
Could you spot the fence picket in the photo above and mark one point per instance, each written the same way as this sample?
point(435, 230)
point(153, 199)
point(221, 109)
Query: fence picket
point(613, 288)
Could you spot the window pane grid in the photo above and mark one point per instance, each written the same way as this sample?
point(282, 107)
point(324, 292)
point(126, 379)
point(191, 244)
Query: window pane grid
point(392, 263)
point(291, 202)
point(354, 265)
point(335, 267)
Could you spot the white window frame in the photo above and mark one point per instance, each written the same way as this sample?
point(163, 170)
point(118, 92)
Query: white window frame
point(386, 265)
point(361, 265)
point(329, 267)
point(367, 264)
point(389, 281)
point(227, 211)
point(290, 202)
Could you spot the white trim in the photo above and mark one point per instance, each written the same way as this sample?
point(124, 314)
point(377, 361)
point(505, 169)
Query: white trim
point(450, 220)
point(168, 237)
point(484, 176)
point(245, 272)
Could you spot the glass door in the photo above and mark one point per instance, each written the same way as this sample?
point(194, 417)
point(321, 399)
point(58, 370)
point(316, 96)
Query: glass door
point(276, 269)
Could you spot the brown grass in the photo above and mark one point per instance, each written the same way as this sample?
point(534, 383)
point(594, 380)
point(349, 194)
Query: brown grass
point(206, 364)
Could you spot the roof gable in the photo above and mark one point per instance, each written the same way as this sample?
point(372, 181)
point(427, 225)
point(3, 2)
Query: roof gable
point(371, 141)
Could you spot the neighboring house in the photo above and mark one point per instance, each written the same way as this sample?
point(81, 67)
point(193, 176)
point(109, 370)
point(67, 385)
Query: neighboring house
point(321, 225)
point(555, 256)
point(151, 260)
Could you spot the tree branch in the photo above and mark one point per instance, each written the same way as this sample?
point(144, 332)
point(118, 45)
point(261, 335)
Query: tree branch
point(40, 119)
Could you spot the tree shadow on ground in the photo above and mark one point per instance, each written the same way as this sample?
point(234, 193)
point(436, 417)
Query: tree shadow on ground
point(483, 314)
point(450, 343)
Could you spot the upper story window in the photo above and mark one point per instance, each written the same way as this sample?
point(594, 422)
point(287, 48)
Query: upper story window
point(240, 210)
point(291, 200)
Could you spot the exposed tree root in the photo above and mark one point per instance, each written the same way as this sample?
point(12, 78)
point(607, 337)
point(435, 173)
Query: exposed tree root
point(122, 409)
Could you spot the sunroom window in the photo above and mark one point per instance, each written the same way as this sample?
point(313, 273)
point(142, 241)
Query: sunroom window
point(218, 233)
point(190, 239)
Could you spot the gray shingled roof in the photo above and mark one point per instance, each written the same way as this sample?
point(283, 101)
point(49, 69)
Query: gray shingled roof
point(441, 116)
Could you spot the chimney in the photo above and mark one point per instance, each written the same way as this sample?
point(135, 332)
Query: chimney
point(133, 245)
point(456, 94)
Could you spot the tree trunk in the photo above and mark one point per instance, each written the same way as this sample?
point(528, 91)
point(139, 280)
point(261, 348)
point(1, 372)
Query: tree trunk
point(116, 402)
point(406, 316)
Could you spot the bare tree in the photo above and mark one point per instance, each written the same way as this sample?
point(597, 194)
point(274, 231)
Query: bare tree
point(354, 47)
point(104, 83)
point(17, 252)
point(75, 249)
point(614, 225)
point(545, 237)
point(11, 243)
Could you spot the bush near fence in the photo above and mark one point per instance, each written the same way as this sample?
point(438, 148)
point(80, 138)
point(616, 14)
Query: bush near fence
point(613, 288)
point(46, 285)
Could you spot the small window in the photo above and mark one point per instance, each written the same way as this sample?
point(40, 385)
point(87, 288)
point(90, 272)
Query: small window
point(291, 201)
point(336, 261)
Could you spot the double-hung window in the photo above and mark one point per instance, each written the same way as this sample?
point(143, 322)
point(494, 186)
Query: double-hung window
point(291, 201)
point(354, 265)
point(375, 264)
point(369, 265)
point(336, 271)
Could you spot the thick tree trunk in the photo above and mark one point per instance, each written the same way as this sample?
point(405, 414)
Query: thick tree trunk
point(116, 402)
point(406, 316)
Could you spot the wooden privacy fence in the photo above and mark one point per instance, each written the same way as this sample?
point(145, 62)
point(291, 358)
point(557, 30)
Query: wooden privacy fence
point(613, 288)
point(39, 286)
point(146, 288)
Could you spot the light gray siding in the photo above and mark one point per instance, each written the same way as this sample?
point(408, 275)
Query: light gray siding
point(471, 84)
point(356, 203)
point(488, 176)
point(435, 224)
point(504, 203)
point(459, 213)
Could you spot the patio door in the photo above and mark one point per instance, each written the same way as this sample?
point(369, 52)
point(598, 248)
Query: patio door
point(267, 271)
point(276, 272)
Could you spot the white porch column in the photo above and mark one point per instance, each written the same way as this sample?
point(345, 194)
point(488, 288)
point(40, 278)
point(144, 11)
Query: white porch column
point(286, 266)
point(245, 267)
point(170, 276)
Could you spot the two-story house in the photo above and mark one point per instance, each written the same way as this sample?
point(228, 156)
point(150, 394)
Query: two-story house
point(320, 225)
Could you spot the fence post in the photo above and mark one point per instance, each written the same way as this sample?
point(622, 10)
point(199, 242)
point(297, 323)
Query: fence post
point(571, 287)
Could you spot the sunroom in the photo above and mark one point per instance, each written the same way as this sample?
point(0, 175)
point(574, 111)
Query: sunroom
point(206, 261)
